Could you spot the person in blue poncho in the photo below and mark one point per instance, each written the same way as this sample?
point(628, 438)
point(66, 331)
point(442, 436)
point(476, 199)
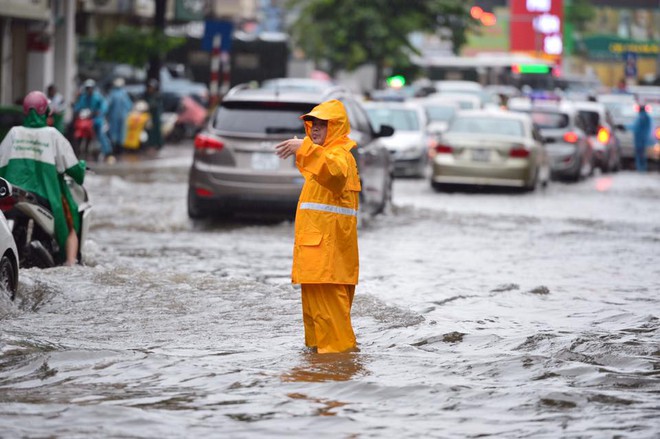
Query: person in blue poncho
point(119, 105)
point(641, 129)
point(92, 99)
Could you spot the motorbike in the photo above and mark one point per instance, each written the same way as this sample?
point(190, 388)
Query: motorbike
point(83, 133)
point(32, 223)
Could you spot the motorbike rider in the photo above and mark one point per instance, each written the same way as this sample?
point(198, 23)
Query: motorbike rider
point(35, 157)
point(92, 99)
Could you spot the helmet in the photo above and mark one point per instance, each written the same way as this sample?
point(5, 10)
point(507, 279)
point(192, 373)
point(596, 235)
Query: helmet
point(90, 83)
point(36, 100)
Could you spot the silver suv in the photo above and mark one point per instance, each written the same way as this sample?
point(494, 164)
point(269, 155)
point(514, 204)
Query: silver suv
point(235, 169)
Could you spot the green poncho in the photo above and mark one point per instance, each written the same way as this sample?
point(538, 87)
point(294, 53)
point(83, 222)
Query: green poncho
point(36, 157)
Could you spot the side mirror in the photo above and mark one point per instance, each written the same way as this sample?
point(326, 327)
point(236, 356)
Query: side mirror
point(5, 188)
point(385, 131)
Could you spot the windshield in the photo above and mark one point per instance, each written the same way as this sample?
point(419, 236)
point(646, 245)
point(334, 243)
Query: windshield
point(398, 118)
point(544, 119)
point(487, 125)
point(261, 117)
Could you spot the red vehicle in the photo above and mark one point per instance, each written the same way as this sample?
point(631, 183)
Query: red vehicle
point(83, 133)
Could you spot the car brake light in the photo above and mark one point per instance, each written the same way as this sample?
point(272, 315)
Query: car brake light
point(570, 137)
point(603, 135)
point(203, 192)
point(657, 133)
point(519, 152)
point(443, 149)
point(7, 203)
point(208, 144)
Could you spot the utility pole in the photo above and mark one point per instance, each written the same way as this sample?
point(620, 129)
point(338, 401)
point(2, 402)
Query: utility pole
point(159, 27)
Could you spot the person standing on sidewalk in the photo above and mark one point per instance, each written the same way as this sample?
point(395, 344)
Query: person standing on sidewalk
point(325, 255)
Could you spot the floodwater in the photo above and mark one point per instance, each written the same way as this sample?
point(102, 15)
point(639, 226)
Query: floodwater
point(477, 314)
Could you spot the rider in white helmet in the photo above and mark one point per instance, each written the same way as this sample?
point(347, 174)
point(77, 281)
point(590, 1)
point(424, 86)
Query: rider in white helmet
point(35, 157)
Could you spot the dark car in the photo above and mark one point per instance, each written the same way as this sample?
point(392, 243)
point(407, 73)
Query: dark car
point(235, 169)
point(565, 136)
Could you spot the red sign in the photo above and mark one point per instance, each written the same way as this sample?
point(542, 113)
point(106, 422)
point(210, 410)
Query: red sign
point(536, 27)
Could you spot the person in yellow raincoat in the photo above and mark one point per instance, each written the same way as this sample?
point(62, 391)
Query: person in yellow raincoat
point(325, 254)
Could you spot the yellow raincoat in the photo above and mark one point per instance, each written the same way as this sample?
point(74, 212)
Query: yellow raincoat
point(325, 257)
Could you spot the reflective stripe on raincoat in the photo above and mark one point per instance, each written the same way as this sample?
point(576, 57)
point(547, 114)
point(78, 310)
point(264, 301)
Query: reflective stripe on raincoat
point(326, 248)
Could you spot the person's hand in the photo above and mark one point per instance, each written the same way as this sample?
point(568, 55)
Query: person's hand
point(288, 147)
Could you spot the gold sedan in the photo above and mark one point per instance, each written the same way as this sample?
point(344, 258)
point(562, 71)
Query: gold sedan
point(490, 148)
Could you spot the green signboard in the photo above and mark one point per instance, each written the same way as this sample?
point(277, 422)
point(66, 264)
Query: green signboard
point(607, 47)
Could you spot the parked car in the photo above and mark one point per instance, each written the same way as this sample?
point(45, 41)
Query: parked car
point(9, 254)
point(409, 146)
point(564, 134)
point(235, 169)
point(602, 135)
point(490, 148)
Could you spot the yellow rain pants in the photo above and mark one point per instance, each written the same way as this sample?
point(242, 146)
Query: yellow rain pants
point(327, 317)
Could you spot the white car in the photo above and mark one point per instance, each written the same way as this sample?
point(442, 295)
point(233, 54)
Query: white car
point(409, 145)
point(9, 259)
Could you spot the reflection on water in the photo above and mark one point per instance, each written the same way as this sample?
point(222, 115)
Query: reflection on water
point(318, 368)
point(508, 316)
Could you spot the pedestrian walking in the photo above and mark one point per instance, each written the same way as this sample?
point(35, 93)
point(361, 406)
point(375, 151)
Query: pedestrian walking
point(56, 107)
point(325, 254)
point(119, 105)
point(93, 100)
point(641, 129)
point(155, 102)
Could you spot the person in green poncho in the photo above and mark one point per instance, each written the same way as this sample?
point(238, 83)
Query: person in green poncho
point(35, 157)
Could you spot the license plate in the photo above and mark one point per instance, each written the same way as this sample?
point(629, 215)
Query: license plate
point(265, 161)
point(481, 155)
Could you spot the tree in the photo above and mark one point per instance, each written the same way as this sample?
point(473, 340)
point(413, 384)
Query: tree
point(135, 46)
point(346, 34)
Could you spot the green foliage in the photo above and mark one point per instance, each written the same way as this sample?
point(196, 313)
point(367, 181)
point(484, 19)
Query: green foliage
point(349, 33)
point(579, 13)
point(130, 45)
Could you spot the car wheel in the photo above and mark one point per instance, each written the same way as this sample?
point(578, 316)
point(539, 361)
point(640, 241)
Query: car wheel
point(532, 186)
point(194, 211)
point(386, 202)
point(8, 281)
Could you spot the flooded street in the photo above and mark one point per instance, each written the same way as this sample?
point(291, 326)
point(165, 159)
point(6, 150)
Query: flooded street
point(477, 314)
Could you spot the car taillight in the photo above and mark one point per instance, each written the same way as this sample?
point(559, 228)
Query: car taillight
point(603, 135)
point(519, 152)
point(443, 149)
point(7, 203)
point(657, 133)
point(207, 143)
point(570, 137)
point(203, 192)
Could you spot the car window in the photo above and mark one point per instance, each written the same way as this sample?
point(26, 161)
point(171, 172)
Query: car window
point(440, 113)
point(399, 118)
point(487, 125)
point(357, 117)
point(261, 117)
point(591, 120)
point(544, 119)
